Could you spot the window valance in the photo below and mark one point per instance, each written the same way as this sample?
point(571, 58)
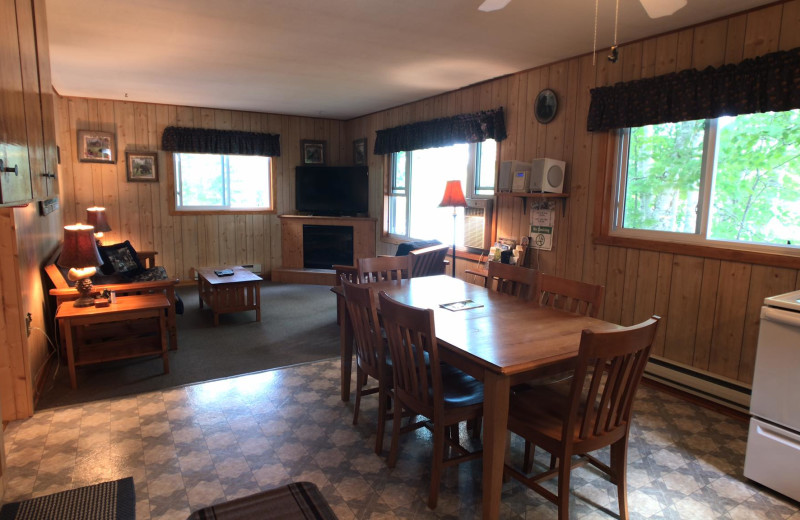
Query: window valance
point(224, 142)
point(769, 83)
point(465, 128)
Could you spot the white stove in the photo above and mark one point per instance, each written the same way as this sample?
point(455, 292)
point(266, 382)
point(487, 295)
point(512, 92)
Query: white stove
point(789, 301)
point(773, 441)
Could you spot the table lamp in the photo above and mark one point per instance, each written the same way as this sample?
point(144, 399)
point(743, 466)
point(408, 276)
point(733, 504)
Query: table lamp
point(96, 216)
point(453, 196)
point(80, 254)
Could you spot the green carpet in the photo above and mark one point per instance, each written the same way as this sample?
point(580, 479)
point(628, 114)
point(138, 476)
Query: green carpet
point(298, 325)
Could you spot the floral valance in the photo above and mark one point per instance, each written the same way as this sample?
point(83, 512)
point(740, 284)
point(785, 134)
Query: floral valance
point(769, 83)
point(465, 128)
point(224, 142)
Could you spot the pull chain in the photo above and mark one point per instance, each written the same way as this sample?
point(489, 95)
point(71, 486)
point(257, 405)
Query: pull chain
point(614, 52)
point(594, 42)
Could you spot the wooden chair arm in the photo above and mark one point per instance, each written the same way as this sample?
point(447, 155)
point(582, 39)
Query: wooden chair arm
point(122, 288)
point(148, 258)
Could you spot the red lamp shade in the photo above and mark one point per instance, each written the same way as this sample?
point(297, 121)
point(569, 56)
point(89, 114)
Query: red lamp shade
point(453, 195)
point(96, 216)
point(80, 248)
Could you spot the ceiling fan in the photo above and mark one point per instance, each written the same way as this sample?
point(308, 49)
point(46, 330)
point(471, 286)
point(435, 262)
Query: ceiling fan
point(654, 8)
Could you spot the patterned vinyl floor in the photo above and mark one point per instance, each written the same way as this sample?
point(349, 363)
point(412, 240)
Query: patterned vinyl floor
point(193, 446)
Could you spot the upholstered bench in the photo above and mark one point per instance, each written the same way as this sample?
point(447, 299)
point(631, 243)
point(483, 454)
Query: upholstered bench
point(299, 500)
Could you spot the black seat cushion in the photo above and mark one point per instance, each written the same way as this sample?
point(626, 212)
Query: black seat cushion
point(406, 247)
point(460, 389)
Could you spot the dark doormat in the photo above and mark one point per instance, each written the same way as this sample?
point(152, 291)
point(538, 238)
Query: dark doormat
point(115, 500)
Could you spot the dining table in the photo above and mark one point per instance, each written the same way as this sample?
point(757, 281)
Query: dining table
point(499, 339)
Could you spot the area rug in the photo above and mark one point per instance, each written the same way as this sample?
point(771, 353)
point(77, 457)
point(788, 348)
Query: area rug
point(115, 500)
point(298, 500)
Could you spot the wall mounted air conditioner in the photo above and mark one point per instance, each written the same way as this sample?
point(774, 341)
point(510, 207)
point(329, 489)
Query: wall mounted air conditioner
point(478, 225)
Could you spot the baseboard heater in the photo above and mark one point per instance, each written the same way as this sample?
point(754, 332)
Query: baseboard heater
point(254, 268)
point(721, 390)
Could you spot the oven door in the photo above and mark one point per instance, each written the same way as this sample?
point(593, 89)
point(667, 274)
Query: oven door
point(776, 385)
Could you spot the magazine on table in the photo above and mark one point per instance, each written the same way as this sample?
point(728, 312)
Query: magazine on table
point(461, 305)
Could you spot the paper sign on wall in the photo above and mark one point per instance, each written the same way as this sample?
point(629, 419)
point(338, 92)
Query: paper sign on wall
point(542, 229)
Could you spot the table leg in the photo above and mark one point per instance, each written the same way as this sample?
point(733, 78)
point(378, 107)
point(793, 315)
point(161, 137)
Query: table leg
point(200, 290)
point(162, 325)
point(66, 332)
point(257, 289)
point(496, 389)
point(346, 347)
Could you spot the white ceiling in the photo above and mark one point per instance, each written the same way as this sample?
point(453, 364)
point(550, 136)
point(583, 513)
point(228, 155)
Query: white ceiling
point(330, 58)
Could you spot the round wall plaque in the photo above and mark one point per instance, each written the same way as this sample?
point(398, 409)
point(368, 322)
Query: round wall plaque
point(545, 106)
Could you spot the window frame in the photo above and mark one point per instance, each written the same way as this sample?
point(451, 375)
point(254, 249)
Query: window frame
point(607, 166)
point(391, 189)
point(174, 183)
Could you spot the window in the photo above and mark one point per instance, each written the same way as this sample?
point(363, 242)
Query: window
point(210, 182)
point(716, 182)
point(417, 181)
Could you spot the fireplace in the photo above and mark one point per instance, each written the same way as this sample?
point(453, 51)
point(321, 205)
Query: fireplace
point(326, 246)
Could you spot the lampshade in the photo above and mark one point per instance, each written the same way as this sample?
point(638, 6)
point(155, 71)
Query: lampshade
point(80, 247)
point(453, 195)
point(96, 216)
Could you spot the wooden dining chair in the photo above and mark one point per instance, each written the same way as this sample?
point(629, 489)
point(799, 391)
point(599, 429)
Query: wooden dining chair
point(587, 412)
point(570, 295)
point(429, 261)
point(371, 356)
point(383, 268)
point(421, 387)
point(511, 279)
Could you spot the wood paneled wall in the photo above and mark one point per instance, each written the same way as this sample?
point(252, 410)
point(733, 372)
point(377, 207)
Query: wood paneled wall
point(139, 212)
point(710, 308)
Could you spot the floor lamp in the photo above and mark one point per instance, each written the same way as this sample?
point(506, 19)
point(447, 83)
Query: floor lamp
point(453, 196)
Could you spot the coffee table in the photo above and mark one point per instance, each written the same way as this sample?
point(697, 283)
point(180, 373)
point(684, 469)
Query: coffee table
point(238, 292)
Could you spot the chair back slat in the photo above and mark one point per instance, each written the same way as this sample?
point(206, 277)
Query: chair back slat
point(363, 313)
point(350, 273)
point(511, 279)
point(384, 268)
point(412, 338)
point(429, 261)
point(570, 295)
point(607, 373)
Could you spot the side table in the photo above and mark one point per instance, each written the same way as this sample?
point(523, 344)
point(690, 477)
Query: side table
point(224, 294)
point(99, 334)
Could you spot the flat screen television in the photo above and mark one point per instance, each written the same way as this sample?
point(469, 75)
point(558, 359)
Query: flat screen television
point(332, 191)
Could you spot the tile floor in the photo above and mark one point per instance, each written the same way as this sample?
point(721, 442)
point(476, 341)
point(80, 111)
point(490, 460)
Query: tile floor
point(193, 446)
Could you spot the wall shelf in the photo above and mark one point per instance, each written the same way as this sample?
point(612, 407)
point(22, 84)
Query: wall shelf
point(525, 196)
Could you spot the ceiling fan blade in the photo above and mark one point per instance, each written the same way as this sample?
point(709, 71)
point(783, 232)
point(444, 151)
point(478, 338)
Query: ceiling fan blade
point(661, 8)
point(493, 5)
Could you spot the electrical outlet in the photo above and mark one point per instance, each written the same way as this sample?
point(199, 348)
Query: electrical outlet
point(28, 320)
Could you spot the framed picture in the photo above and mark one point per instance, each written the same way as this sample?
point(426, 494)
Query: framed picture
point(96, 147)
point(142, 166)
point(313, 151)
point(360, 152)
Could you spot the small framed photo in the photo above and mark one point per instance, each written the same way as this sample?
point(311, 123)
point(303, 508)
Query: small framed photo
point(96, 147)
point(360, 152)
point(142, 166)
point(313, 151)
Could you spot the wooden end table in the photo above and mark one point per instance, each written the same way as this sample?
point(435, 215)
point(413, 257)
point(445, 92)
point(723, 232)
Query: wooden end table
point(225, 294)
point(99, 334)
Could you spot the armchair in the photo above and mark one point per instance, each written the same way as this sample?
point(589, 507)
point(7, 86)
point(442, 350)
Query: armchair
point(152, 279)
